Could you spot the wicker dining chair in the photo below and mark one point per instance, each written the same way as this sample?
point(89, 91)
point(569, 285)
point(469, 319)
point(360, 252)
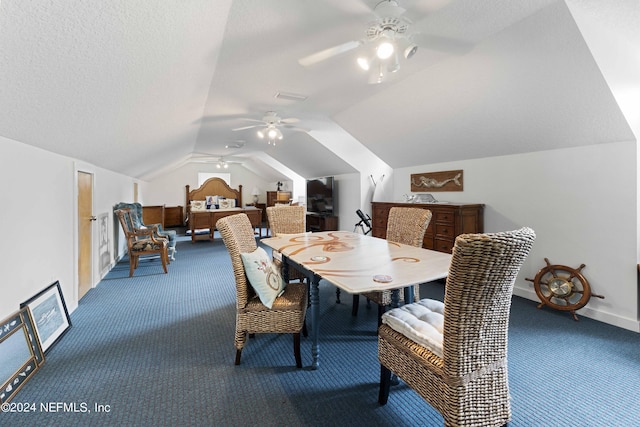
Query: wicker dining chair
point(142, 241)
point(407, 226)
point(285, 219)
point(287, 314)
point(454, 354)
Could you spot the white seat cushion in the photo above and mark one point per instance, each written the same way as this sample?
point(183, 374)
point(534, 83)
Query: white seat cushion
point(421, 322)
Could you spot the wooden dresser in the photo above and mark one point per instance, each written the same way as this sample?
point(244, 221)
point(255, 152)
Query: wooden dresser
point(447, 222)
point(274, 197)
point(168, 216)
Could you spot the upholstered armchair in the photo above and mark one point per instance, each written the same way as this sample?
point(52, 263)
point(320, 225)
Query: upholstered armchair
point(141, 241)
point(136, 214)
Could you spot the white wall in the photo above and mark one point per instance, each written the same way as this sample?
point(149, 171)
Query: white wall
point(38, 223)
point(347, 186)
point(39, 193)
point(581, 202)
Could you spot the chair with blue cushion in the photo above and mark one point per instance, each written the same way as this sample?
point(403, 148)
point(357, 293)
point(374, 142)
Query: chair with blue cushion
point(142, 241)
point(136, 214)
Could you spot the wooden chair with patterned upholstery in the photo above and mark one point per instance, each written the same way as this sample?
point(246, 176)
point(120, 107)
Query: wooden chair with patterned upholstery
point(142, 241)
point(285, 219)
point(406, 226)
point(287, 313)
point(136, 215)
point(454, 354)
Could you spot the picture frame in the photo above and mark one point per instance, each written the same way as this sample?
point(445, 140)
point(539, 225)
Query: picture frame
point(438, 181)
point(20, 353)
point(50, 315)
point(104, 243)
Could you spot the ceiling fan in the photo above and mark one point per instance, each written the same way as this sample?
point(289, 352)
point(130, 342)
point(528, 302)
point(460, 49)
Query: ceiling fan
point(387, 38)
point(268, 127)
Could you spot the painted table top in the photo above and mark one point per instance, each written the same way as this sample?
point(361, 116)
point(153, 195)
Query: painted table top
point(358, 263)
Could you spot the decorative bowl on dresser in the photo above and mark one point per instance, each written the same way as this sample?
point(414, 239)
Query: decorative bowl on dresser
point(447, 222)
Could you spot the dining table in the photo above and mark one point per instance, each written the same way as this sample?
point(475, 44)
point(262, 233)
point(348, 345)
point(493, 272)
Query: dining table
point(355, 263)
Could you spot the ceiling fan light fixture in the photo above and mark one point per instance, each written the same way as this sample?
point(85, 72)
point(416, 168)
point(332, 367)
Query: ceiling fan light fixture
point(385, 49)
point(410, 50)
point(394, 63)
point(364, 63)
point(377, 74)
point(272, 133)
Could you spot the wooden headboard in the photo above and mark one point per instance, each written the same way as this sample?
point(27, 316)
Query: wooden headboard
point(213, 187)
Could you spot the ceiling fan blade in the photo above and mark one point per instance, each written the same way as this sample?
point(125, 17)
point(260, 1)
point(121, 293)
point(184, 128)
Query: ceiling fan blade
point(325, 54)
point(290, 120)
point(442, 44)
point(297, 129)
point(245, 127)
point(386, 9)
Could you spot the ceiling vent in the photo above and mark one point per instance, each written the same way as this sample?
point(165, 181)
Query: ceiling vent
point(290, 96)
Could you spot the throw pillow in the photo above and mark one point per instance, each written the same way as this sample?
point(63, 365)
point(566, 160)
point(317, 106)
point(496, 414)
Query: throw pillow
point(263, 276)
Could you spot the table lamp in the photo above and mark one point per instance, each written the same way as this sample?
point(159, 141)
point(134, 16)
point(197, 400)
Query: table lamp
point(255, 192)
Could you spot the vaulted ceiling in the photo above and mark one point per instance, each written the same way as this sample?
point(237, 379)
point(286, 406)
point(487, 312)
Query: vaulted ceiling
point(142, 87)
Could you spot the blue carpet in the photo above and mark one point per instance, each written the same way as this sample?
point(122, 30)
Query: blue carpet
point(157, 350)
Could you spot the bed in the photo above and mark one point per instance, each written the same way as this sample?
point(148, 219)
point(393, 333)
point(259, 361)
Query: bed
point(213, 200)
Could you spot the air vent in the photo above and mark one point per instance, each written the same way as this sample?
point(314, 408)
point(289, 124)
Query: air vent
point(290, 96)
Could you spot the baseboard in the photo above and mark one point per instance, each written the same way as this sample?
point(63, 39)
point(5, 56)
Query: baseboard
point(611, 319)
point(111, 266)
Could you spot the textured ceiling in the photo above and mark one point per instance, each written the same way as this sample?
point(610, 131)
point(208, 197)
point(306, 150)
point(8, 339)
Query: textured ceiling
point(139, 87)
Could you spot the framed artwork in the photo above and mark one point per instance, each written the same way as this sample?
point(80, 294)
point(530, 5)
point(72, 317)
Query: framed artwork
point(50, 315)
point(437, 181)
point(104, 245)
point(20, 353)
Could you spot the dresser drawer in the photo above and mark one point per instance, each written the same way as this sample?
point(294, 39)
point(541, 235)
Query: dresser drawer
point(443, 245)
point(445, 230)
point(379, 221)
point(443, 217)
point(379, 232)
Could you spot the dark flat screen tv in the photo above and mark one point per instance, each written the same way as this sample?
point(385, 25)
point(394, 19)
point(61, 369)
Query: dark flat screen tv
point(320, 196)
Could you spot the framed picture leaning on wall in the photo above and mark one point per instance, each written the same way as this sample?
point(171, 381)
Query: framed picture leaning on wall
point(20, 354)
point(50, 315)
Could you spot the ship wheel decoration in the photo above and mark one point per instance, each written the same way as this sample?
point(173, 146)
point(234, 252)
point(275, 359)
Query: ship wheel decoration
point(563, 288)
